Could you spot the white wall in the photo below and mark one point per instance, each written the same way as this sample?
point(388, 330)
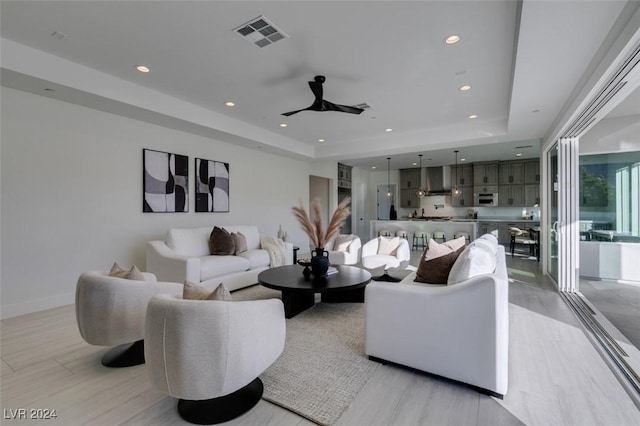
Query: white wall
point(71, 180)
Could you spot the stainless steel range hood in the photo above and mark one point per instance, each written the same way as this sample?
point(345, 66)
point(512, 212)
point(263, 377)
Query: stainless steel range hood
point(438, 180)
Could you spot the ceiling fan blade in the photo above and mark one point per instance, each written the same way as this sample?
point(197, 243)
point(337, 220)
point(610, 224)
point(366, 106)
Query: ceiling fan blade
point(287, 114)
point(330, 106)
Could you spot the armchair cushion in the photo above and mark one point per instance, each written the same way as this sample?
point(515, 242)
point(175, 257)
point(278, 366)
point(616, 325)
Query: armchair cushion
point(342, 242)
point(195, 292)
point(129, 274)
point(388, 246)
point(221, 242)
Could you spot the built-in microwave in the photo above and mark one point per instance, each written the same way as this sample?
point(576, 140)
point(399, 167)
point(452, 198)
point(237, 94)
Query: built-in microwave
point(486, 200)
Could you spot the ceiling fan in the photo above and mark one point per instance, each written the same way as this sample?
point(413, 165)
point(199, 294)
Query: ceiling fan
point(320, 104)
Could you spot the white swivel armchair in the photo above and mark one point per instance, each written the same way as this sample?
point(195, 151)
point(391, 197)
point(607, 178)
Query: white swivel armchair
point(111, 311)
point(209, 354)
point(344, 250)
point(388, 253)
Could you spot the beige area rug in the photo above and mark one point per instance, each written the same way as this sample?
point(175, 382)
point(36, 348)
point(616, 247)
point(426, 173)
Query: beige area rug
point(323, 366)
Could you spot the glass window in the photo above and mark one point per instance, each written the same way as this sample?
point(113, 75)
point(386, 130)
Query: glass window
point(609, 197)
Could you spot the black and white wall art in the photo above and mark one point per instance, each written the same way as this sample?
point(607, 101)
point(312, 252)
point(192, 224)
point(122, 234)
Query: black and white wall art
point(212, 186)
point(166, 182)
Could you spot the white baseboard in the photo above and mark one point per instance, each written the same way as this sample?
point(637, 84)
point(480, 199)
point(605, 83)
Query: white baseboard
point(13, 310)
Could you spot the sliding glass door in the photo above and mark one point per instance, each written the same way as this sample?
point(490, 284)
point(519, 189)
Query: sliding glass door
point(552, 213)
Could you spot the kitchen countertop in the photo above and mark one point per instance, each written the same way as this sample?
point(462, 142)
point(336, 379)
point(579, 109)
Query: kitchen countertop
point(461, 219)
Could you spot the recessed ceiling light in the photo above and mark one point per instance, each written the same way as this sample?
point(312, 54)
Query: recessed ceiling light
point(473, 116)
point(283, 124)
point(465, 88)
point(388, 130)
point(452, 39)
point(463, 159)
point(320, 140)
point(373, 167)
point(230, 104)
point(415, 164)
point(142, 68)
point(519, 154)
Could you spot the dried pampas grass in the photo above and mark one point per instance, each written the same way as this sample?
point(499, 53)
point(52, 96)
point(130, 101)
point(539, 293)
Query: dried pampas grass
point(313, 228)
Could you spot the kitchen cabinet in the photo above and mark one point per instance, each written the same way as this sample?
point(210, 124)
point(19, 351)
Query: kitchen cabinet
point(511, 196)
point(485, 173)
point(462, 175)
point(408, 198)
point(532, 171)
point(487, 228)
point(465, 199)
point(511, 172)
point(409, 185)
point(344, 176)
point(485, 189)
point(531, 195)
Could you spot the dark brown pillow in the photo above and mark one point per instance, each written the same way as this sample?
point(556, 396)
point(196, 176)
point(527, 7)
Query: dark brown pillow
point(240, 241)
point(221, 242)
point(436, 271)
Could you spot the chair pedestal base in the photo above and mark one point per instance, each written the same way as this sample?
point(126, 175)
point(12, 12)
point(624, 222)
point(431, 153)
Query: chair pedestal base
point(126, 355)
point(221, 409)
point(387, 278)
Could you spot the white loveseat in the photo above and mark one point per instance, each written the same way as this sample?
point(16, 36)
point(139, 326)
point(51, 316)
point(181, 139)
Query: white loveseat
point(185, 256)
point(459, 331)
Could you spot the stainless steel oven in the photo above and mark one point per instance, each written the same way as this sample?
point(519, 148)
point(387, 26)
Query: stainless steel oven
point(485, 200)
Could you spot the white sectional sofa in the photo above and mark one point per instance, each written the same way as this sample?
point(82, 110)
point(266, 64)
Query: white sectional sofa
point(458, 331)
point(184, 256)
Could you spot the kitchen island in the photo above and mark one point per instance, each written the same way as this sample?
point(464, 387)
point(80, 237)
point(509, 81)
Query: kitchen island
point(448, 226)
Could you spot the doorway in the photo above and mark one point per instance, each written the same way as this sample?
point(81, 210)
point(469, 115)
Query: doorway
point(384, 202)
point(319, 187)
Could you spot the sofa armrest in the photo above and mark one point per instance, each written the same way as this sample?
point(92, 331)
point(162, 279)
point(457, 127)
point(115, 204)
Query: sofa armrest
point(169, 266)
point(459, 331)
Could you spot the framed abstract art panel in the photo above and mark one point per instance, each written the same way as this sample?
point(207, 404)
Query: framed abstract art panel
point(165, 182)
point(212, 186)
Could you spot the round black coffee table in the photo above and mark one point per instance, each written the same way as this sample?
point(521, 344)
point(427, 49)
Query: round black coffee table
point(298, 292)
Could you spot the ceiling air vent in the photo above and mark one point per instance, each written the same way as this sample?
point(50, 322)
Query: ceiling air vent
point(260, 32)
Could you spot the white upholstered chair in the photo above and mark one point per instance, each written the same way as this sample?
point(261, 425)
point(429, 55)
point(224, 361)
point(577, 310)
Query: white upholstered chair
point(344, 249)
point(111, 311)
point(375, 254)
point(209, 354)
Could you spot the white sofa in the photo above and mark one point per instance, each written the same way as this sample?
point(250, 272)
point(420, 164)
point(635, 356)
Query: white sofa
point(458, 331)
point(184, 256)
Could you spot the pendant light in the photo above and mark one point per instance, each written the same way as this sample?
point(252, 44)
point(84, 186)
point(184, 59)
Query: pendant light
point(389, 177)
point(421, 193)
point(456, 191)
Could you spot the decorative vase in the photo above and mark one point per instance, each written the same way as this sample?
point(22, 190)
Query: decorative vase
point(319, 262)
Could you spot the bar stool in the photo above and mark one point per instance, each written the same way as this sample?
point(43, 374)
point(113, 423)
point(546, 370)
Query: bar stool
point(439, 236)
point(403, 234)
point(419, 240)
point(467, 237)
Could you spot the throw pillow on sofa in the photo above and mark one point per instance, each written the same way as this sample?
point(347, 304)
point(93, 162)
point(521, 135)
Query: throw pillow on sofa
point(195, 292)
point(240, 241)
point(221, 242)
point(436, 263)
point(476, 259)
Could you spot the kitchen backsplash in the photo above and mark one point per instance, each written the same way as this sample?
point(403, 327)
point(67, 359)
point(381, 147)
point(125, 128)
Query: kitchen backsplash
point(441, 206)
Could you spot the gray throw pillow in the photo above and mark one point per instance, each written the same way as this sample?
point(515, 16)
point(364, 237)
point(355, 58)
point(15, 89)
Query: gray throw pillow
point(240, 241)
